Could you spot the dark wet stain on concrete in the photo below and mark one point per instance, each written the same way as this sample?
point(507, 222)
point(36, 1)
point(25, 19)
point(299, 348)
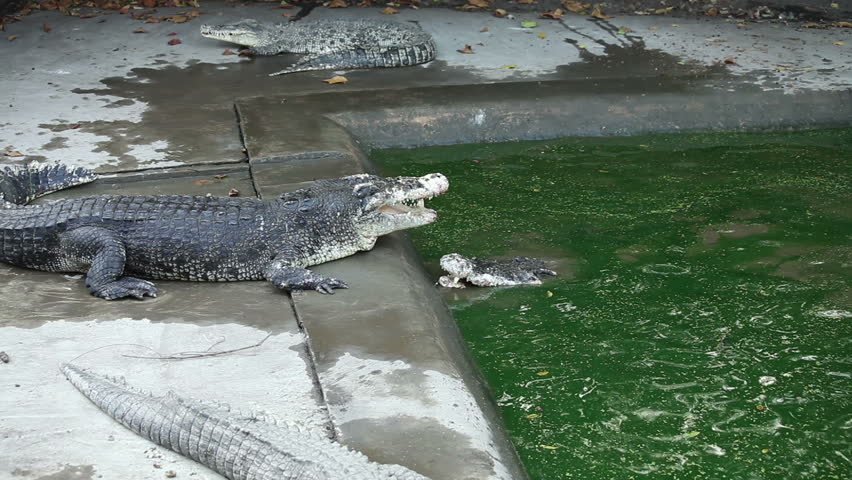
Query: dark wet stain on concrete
point(55, 143)
point(388, 440)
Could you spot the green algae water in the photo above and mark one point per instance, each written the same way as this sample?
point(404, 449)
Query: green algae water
point(701, 325)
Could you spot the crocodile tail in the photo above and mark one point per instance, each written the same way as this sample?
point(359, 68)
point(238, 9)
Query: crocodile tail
point(21, 185)
point(403, 56)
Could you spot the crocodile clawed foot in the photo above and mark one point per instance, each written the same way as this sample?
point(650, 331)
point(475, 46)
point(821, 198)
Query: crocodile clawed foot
point(126, 287)
point(327, 285)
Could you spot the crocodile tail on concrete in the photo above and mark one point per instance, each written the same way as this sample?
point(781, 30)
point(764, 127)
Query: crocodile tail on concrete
point(403, 56)
point(238, 445)
point(20, 185)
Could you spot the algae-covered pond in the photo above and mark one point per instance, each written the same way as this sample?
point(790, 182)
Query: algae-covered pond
point(701, 325)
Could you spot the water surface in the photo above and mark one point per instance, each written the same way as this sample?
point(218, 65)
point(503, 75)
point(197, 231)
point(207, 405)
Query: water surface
point(701, 327)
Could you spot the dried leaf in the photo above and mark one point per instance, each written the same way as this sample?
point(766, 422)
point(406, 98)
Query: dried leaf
point(510, 66)
point(123, 10)
point(87, 15)
point(204, 181)
point(149, 3)
point(476, 4)
point(597, 13)
point(11, 37)
point(46, 28)
point(172, 34)
point(838, 43)
point(575, 6)
point(730, 61)
point(140, 30)
point(484, 29)
point(337, 4)
point(336, 79)
point(220, 177)
point(288, 14)
point(712, 12)
point(175, 41)
point(178, 18)
point(843, 24)
point(390, 11)
point(233, 192)
point(228, 51)
point(286, 5)
point(13, 153)
point(152, 20)
point(364, 3)
point(653, 27)
point(555, 14)
point(663, 11)
point(500, 13)
point(466, 49)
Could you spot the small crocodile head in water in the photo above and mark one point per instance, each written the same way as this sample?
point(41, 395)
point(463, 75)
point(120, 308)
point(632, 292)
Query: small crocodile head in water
point(485, 272)
point(248, 32)
point(358, 209)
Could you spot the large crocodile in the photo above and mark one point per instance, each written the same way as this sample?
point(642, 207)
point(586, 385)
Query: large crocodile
point(114, 238)
point(331, 44)
point(238, 445)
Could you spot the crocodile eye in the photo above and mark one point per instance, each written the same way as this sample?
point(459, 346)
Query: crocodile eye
point(364, 190)
point(306, 205)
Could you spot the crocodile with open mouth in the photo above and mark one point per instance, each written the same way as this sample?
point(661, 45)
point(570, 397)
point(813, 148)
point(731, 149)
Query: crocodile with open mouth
point(331, 44)
point(114, 239)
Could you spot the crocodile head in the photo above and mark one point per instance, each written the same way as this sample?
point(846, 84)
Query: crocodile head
point(356, 210)
point(485, 272)
point(248, 32)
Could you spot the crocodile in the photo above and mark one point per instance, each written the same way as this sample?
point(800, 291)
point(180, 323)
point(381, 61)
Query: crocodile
point(331, 44)
point(485, 272)
point(115, 239)
point(238, 445)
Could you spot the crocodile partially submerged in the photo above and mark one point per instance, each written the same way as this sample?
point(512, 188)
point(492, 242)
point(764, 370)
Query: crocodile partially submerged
point(238, 445)
point(116, 238)
point(484, 272)
point(331, 44)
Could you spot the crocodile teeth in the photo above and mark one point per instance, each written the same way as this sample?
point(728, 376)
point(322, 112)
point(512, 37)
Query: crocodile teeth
point(421, 203)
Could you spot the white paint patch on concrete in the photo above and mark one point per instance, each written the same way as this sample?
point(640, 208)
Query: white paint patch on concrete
point(47, 424)
point(377, 396)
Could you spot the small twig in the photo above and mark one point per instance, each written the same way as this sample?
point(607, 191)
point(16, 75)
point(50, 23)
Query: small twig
point(190, 355)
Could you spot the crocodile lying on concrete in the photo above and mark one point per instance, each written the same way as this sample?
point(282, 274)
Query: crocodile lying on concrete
point(114, 238)
point(331, 43)
point(238, 445)
point(484, 272)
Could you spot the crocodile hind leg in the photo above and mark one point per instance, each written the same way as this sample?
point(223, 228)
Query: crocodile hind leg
point(104, 253)
point(361, 58)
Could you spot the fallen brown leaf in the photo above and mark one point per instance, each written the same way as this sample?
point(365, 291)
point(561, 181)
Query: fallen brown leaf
point(46, 28)
point(152, 20)
point(476, 4)
point(228, 51)
point(13, 153)
point(149, 3)
point(203, 181)
point(730, 61)
point(653, 27)
point(843, 24)
point(466, 49)
point(194, 13)
point(286, 5)
point(172, 34)
point(663, 11)
point(87, 15)
point(175, 41)
point(233, 192)
point(336, 79)
point(575, 6)
point(364, 3)
point(390, 11)
point(484, 29)
point(555, 14)
point(288, 14)
point(220, 176)
point(178, 18)
point(337, 4)
point(711, 12)
point(140, 30)
point(597, 13)
point(500, 13)
point(11, 37)
point(123, 10)
point(246, 53)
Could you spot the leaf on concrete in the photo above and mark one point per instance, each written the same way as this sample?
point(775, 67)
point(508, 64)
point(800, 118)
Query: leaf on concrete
point(711, 12)
point(11, 37)
point(476, 4)
point(172, 34)
point(484, 29)
point(220, 176)
point(542, 35)
point(510, 66)
point(529, 23)
point(336, 79)
point(597, 13)
point(554, 14)
point(149, 3)
point(46, 28)
point(175, 41)
point(390, 11)
point(152, 20)
point(653, 27)
point(843, 24)
point(466, 49)
point(838, 43)
point(178, 18)
point(500, 13)
point(576, 7)
point(730, 61)
point(228, 51)
point(337, 4)
point(288, 14)
point(204, 181)
point(663, 11)
point(13, 153)
point(123, 10)
point(140, 30)
point(233, 192)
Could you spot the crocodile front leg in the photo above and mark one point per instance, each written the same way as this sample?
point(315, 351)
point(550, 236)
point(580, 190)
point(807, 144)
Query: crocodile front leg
point(282, 275)
point(104, 252)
